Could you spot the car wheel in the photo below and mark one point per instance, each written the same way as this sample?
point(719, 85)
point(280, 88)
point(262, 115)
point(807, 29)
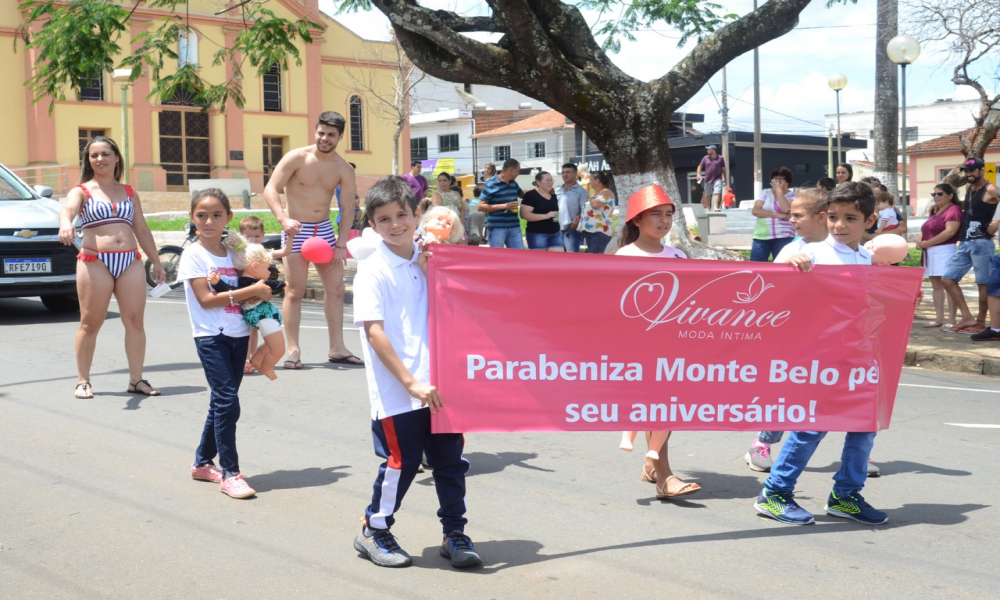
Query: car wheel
point(62, 304)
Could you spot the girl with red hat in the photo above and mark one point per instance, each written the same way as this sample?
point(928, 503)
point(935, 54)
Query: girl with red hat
point(649, 219)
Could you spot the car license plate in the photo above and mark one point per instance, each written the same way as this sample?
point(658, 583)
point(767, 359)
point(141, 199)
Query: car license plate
point(17, 266)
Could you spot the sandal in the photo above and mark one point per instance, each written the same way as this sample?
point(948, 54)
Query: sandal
point(88, 391)
point(248, 369)
point(133, 388)
point(685, 490)
point(933, 325)
point(293, 365)
point(648, 476)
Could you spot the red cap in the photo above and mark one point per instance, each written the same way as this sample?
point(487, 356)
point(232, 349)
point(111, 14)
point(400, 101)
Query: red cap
point(648, 197)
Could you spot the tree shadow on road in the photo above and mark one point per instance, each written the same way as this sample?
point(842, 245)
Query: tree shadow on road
point(898, 467)
point(303, 478)
point(505, 554)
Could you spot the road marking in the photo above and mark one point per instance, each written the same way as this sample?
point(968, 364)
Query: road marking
point(941, 387)
point(974, 425)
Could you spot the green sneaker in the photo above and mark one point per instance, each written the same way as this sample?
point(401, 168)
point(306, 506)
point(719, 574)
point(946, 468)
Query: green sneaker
point(782, 508)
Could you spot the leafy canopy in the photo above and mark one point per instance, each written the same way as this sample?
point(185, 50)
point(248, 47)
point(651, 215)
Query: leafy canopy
point(79, 40)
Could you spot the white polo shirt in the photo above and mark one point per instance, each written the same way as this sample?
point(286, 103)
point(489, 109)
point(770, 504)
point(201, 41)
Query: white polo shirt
point(393, 290)
point(830, 252)
point(791, 249)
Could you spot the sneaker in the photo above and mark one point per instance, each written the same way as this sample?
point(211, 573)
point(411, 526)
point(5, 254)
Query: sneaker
point(380, 547)
point(207, 472)
point(986, 335)
point(854, 507)
point(758, 457)
point(236, 487)
point(457, 547)
point(873, 470)
point(782, 509)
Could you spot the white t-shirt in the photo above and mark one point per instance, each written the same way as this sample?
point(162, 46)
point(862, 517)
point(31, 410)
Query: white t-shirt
point(829, 252)
point(393, 290)
point(197, 262)
point(889, 216)
point(633, 250)
point(791, 249)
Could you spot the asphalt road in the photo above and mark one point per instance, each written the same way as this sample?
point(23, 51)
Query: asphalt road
point(96, 500)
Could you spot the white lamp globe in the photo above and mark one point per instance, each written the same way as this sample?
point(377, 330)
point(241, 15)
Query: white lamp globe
point(903, 49)
point(837, 81)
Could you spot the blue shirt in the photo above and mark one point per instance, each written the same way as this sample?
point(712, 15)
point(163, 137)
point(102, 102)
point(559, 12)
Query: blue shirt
point(495, 191)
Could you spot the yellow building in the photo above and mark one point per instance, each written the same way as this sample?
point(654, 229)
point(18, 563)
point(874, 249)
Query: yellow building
point(174, 142)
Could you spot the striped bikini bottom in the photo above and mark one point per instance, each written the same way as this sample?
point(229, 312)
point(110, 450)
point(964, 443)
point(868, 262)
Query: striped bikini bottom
point(323, 229)
point(116, 261)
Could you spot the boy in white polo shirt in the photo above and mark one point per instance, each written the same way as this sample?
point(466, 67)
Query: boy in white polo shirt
point(390, 304)
point(850, 210)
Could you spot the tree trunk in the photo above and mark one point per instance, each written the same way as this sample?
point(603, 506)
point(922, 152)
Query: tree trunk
point(886, 98)
point(395, 147)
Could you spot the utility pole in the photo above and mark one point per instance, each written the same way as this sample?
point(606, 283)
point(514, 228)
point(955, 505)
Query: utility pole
point(725, 132)
point(757, 169)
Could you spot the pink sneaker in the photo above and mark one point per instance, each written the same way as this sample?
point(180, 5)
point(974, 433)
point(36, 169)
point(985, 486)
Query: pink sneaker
point(236, 487)
point(207, 472)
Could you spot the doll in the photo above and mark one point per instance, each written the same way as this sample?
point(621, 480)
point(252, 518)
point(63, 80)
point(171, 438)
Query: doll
point(441, 225)
point(253, 262)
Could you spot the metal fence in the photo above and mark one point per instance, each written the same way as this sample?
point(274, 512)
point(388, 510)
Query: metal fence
point(54, 176)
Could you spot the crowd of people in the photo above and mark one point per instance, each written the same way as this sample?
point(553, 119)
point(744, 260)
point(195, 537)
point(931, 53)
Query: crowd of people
point(228, 298)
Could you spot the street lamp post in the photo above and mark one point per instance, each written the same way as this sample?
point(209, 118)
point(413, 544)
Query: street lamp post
point(837, 82)
point(902, 50)
point(122, 76)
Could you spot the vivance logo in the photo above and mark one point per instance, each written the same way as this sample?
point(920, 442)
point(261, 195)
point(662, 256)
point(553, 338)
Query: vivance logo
point(722, 302)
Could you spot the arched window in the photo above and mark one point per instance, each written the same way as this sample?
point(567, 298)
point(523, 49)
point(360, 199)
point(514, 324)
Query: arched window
point(357, 125)
point(272, 88)
point(187, 48)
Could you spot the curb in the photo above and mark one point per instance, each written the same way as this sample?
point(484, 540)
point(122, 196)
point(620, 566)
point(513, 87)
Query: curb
point(952, 362)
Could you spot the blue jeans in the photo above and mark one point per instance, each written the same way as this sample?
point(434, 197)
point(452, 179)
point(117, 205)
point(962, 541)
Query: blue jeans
point(597, 242)
point(972, 254)
point(402, 440)
point(222, 357)
point(506, 236)
point(544, 241)
point(765, 250)
point(770, 437)
point(572, 240)
point(993, 285)
point(799, 448)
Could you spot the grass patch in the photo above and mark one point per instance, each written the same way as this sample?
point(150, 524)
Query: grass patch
point(271, 224)
point(912, 259)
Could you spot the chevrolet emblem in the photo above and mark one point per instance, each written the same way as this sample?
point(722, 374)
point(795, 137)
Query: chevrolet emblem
point(26, 233)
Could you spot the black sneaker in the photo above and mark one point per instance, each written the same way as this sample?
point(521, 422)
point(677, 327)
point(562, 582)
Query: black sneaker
point(380, 546)
point(855, 507)
point(457, 547)
point(986, 335)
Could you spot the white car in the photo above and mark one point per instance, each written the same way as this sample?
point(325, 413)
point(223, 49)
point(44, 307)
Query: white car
point(35, 263)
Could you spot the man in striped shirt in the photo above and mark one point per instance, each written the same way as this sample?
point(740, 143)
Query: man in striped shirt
point(499, 201)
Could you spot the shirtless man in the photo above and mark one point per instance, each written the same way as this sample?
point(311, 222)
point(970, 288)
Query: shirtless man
point(308, 177)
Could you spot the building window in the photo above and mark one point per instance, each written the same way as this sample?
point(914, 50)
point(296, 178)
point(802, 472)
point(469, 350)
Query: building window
point(187, 48)
point(871, 134)
point(85, 135)
point(448, 143)
point(418, 148)
point(911, 134)
point(943, 173)
point(274, 149)
point(535, 150)
point(272, 88)
point(92, 89)
point(501, 153)
point(468, 88)
point(357, 126)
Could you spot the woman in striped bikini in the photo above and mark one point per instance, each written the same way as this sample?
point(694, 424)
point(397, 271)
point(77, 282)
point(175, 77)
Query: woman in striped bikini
point(110, 263)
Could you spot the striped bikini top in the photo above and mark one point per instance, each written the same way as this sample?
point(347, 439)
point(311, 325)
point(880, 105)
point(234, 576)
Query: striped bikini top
point(95, 213)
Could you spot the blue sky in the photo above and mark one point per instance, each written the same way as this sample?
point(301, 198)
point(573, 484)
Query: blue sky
point(793, 68)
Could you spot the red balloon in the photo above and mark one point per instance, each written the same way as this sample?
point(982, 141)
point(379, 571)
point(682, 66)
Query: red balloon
point(317, 250)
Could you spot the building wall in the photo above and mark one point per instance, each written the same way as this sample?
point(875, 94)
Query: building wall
point(432, 93)
point(308, 89)
point(558, 149)
point(926, 171)
point(431, 131)
point(931, 120)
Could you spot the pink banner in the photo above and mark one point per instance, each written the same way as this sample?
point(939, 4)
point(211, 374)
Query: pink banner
point(544, 341)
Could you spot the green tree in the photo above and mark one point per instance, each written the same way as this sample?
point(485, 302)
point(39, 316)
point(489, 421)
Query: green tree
point(548, 51)
point(79, 40)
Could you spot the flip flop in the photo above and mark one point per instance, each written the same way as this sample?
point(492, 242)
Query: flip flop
point(133, 388)
point(87, 390)
point(248, 369)
point(350, 359)
point(295, 364)
point(953, 329)
point(933, 325)
point(686, 490)
point(969, 330)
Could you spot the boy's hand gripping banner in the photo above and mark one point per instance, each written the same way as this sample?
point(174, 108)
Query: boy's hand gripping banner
point(543, 341)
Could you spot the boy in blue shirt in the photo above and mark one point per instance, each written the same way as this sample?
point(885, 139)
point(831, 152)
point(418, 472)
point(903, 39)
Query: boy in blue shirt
point(850, 211)
point(390, 305)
